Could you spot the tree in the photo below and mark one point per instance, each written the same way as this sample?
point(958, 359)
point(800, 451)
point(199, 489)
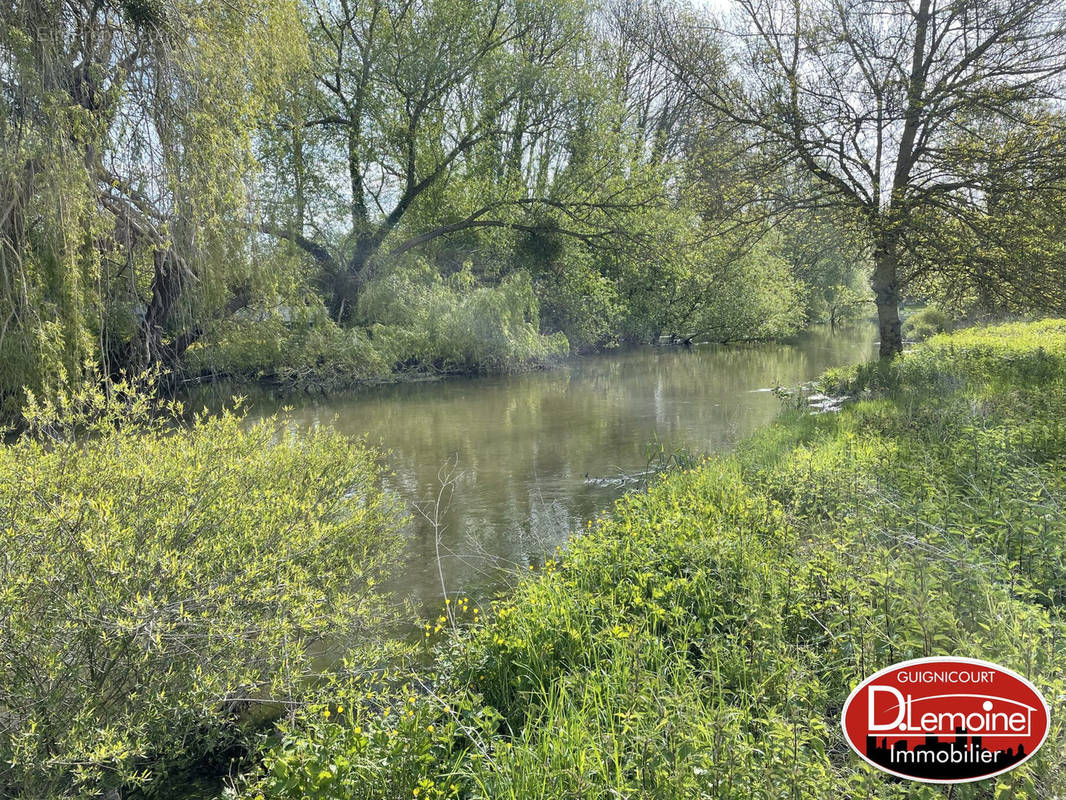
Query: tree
point(445, 118)
point(124, 130)
point(889, 105)
point(400, 94)
point(828, 256)
point(1009, 257)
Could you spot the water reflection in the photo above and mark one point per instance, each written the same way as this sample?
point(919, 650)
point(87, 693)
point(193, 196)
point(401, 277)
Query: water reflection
point(524, 444)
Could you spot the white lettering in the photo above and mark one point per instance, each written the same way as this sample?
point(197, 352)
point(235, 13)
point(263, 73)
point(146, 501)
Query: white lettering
point(885, 715)
point(901, 704)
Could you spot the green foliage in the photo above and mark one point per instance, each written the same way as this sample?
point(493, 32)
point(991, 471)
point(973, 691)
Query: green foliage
point(164, 184)
point(1009, 357)
point(166, 165)
point(561, 156)
point(422, 321)
point(415, 321)
point(828, 256)
point(753, 297)
point(700, 640)
point(125, 151)
point(159, 578)
point(1009, 256)
point(723, 290)
point(374, 741)
point(580, 302)
point(298, 347)
point(930, 321)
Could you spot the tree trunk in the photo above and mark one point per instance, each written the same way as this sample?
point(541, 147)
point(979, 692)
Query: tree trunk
point(343, 295)
point(886, 294)
point(147, 348)
point(346, 284)
point(299, 174)
point(360, 213)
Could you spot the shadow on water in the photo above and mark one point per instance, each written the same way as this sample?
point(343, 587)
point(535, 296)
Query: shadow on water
point(538, 454)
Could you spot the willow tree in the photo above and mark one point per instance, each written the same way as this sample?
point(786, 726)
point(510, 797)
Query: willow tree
point(888, 106)
point(124, 144)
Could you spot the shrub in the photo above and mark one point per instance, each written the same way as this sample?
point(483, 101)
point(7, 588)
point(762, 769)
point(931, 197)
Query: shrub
point(159, 576)
point(307, 351)
point(754, 298)
point(456, 325)
point(580, 302)
point(930, 321)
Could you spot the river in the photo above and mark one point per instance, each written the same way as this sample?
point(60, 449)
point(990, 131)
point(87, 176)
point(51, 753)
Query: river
point(535, 455)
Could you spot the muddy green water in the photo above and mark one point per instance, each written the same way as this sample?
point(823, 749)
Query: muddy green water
point(536, 455)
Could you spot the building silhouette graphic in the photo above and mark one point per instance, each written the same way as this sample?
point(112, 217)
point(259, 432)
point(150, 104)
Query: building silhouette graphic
point(962, 757)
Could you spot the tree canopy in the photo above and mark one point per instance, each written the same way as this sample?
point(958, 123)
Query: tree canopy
point(900, 110)
point(242, 188)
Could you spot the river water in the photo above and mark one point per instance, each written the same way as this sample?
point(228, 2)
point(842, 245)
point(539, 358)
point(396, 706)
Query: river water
point(534, 456)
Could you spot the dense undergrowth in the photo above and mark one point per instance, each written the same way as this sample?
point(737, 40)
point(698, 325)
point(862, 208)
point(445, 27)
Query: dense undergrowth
point(165, 583)
point(412, 322)
point(699, 641)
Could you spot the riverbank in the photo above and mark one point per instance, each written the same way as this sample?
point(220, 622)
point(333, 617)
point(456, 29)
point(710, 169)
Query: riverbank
point(700, 639)
point(537, 454)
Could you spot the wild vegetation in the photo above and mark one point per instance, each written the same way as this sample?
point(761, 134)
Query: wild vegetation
point(700, 639)
point(926, 121)
point(164, 583)
point(321, 193)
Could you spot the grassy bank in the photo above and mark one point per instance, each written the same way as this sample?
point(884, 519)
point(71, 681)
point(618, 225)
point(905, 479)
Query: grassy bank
point(699, 640)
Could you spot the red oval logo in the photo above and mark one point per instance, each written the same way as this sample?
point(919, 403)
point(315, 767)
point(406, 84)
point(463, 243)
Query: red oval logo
point(945, 720)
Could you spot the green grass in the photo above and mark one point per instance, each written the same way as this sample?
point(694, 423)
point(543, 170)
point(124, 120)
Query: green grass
point(700, 639)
